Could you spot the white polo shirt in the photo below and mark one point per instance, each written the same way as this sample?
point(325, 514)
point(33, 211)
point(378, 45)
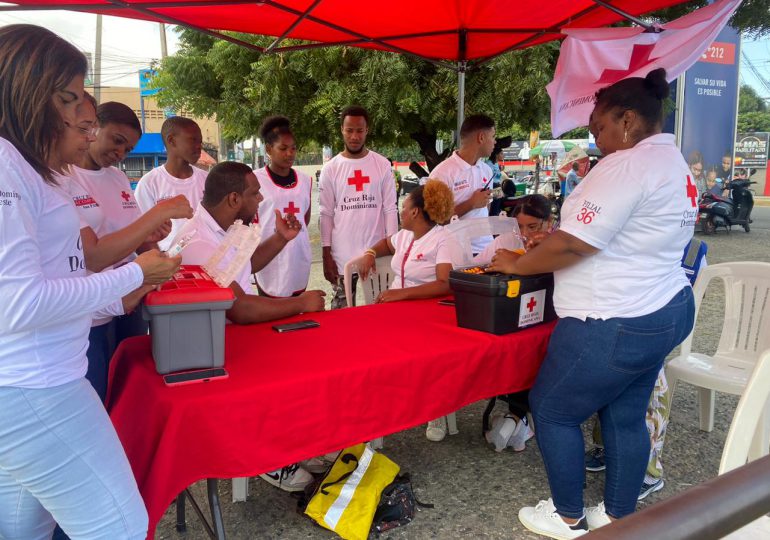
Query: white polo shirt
point(414, 261)
point(207, 235)
point(639, 209)
point(464, 179)
point(158, 185)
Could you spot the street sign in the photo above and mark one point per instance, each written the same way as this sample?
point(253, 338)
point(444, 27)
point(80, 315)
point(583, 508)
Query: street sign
point(145, 76)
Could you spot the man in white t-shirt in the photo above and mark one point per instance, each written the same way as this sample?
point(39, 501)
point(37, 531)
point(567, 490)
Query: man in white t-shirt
point(467, 175)
point(182, 138)
point(232, 192)
point(357, 201)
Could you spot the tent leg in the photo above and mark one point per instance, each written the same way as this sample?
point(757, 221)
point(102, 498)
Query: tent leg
point(460, 98)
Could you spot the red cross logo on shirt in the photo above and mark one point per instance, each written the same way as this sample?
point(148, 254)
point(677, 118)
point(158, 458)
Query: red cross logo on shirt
point(291, 209)
point(640, 56)
point(531, 304)
point(358, 180)
point(692, 192)
point(125, 196)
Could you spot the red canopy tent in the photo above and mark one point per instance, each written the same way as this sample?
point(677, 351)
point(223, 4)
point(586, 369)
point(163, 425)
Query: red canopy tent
point(456, 34)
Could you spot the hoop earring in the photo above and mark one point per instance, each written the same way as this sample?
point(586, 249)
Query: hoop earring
point(625, 136)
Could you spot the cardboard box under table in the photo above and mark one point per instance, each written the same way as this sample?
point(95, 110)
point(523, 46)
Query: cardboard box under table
point(187, 321)
point(501, 303)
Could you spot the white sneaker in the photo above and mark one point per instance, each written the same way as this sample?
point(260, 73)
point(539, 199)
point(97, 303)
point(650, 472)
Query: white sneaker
point(543, 519)
point(500, 432)
point(320, 464)
point(436, 430)
point(597, 517)
point(521, 435)
point(291, 478)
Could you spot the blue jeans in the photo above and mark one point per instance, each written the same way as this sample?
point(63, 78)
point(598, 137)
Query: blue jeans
point(609, 366)
point(61, 460)
point(102, 342)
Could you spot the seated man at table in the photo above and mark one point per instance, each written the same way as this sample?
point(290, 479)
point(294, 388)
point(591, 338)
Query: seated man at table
point(232, 192)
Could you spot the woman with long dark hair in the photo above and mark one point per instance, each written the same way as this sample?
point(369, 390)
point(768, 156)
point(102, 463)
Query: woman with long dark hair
point(60, 458)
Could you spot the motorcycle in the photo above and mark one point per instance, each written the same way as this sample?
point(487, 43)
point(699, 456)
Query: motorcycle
point(716, 211)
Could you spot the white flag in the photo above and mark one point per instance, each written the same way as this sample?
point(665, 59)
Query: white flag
point(592, 58)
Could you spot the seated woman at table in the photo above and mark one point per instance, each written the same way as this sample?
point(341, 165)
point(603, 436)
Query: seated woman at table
point(423, 251)
point(535, 220)
point(423, 254)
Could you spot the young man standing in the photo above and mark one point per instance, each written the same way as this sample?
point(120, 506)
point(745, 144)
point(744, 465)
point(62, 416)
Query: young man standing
point(182, 138)
point(467, 175)
point(357, 201)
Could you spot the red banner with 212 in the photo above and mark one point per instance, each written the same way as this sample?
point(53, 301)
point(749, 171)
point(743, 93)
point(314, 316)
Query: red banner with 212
point(719, 53)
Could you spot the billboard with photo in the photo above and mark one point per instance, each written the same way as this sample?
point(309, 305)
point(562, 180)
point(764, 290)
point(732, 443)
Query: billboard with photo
point(710, 108)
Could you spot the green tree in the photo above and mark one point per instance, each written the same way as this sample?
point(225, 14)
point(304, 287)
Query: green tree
point(750, 101)
point(410, 101)
point(753, 121)
point(752, 17)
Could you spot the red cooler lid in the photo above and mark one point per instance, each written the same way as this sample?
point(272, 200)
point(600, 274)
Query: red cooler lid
point(190, 285)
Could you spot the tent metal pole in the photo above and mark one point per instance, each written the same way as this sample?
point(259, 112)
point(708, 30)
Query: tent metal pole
point(636, 20)
point(460, 98)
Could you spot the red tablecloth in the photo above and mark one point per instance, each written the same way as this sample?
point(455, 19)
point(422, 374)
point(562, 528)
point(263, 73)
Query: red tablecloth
point(364, 373)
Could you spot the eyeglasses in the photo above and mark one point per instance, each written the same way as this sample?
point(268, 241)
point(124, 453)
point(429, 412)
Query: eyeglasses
point(88, 132)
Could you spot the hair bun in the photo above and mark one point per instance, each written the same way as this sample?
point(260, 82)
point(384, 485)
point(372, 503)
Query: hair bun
point(656, 83)
point(271, 123)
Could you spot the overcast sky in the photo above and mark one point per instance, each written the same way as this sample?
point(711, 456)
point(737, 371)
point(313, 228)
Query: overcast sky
point(129, 45)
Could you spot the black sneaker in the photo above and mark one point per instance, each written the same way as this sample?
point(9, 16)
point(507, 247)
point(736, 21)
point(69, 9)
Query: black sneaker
point(650, 487)
point(595, 460)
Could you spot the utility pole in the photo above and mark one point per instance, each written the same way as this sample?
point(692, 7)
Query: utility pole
point(98, 61)
point(163, 47)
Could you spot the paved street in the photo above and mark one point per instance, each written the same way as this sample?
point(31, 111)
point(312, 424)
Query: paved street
point(478, 492)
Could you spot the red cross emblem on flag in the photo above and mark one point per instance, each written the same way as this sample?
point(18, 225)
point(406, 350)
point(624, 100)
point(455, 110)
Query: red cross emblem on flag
point(531, 304)
point(640, 57)
point(358, 180)
point(125, 196)
point(692, 192)
point(291, 209)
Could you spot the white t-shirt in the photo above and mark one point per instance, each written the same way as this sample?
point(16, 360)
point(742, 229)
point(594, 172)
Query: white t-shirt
point(358, 199)
point(414, 263)
point(206, 238)
point(464, 179)
point(105, 202)
point(289, 271)
point(158, 185)
point(47, 299)
point(639, 211)
point(503, 241)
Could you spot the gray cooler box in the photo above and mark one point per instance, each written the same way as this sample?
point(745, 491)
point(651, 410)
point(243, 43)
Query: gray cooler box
point(501, 303)
point(187, 321)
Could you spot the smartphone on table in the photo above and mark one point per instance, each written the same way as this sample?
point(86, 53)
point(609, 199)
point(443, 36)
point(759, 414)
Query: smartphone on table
point(195, 376)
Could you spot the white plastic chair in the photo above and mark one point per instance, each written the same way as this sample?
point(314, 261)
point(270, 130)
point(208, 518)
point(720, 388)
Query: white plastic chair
point(465, 230)
point(745, 334)
point(373, 285)
point(741, 447)
point(745, 439)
